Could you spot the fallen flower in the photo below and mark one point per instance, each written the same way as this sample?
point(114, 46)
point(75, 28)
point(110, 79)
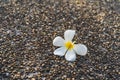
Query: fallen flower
point(67, 47)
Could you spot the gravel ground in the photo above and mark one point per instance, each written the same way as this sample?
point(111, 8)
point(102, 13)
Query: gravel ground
point(28, 27)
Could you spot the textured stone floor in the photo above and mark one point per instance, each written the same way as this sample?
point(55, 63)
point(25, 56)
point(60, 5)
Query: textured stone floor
point(28, 27)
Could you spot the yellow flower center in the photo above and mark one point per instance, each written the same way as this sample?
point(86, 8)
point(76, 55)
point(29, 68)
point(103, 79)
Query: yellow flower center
point(69, 45)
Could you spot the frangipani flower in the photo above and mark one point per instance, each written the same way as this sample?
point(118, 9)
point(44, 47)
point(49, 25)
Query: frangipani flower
point(67, 47)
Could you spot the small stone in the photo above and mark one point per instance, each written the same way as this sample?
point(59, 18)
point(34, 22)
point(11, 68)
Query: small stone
point(33, 79)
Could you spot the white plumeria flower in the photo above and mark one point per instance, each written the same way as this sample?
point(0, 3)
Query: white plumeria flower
point(67, 47)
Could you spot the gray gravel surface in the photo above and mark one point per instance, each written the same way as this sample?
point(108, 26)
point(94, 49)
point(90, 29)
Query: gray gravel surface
point(28, 27)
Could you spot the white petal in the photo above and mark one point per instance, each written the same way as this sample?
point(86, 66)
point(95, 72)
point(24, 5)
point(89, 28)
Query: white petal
point(60, 51)
point(80, 49)
point(70, 55)
point(58, 41)
point(69, 34)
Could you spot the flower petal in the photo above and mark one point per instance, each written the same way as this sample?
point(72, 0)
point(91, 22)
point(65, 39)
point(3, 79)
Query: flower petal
point(69, 34)
point(58, 41)
point(80, 49)
point(60, 51)
point(70, 55)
